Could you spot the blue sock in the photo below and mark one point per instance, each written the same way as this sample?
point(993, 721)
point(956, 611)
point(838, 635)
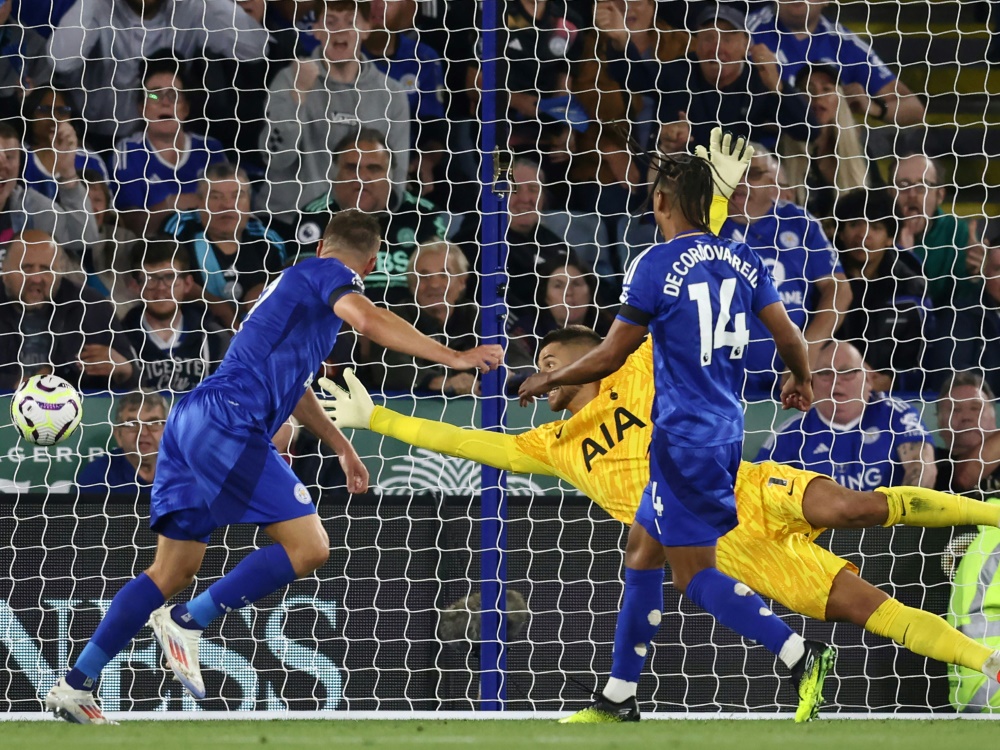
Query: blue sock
point(260, 573)
point(737, 607)
point(638, 621)
point(129, 611)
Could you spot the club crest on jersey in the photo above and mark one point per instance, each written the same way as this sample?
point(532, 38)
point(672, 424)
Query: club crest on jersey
point(623, 420)
point(302, 494)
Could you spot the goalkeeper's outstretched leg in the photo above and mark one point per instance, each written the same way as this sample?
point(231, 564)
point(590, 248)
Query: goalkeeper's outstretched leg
point(852, 599)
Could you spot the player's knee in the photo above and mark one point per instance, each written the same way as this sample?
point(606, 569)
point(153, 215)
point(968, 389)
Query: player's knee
point(171, 581)
point(309, 557)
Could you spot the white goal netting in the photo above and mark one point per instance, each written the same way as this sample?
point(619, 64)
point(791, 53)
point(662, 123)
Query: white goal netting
point(161, 161)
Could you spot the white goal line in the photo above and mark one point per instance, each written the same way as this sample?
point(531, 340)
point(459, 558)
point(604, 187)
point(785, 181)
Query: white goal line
point(478, 716)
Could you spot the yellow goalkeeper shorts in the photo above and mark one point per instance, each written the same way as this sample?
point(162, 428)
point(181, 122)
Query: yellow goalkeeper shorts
point(772, 550)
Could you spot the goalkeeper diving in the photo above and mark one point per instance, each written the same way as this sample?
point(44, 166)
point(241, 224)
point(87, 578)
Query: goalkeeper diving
point(602, 450)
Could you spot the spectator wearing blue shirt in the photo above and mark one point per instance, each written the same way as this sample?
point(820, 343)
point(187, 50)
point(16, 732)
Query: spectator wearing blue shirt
point(797, 32)
point(52, 147)
point(234, 253)
point(861, 438)
point(131, 467)
point(803, 264)
point(158, 171)
point(418, 68)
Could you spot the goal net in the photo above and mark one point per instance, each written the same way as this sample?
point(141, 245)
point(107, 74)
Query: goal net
point(180, 153)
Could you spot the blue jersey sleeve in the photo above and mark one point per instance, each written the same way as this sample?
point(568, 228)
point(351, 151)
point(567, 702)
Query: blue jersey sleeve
point(131, 187)
point(764, 293)
point(821, 260)
point(332, 280)
point(859, 63)
point(641, 294)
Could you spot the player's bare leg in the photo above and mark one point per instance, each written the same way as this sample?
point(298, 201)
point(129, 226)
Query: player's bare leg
point(305, 540)
point(734, 605)
point(176, 563)
point(826, 504)
point(852, 599)
point(301, 546)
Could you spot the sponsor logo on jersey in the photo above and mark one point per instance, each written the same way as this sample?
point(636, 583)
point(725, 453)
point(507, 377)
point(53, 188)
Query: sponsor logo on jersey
point(592, 448)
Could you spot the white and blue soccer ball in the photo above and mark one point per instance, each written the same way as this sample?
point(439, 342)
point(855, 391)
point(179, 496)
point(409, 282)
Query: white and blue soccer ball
point(46, 409)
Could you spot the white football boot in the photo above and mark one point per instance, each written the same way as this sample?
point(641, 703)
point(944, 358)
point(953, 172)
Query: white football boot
point(180, 647)
point(74, 706)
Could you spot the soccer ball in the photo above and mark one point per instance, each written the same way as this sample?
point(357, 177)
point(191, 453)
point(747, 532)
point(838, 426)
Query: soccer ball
point(46, 409)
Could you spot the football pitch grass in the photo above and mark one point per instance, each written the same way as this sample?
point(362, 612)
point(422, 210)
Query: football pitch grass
point(505, 735)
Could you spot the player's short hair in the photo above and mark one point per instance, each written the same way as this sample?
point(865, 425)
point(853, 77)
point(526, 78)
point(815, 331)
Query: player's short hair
point(354, 231)
point(362, 7)
point(136, 400)
point(575, 334)
point(155, 252)
point(973, 378)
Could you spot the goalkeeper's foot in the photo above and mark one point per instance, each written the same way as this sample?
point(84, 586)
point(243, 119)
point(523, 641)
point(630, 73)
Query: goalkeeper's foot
point(603, 711)
point(74, 706)
point(808, 676)
point(180, 647)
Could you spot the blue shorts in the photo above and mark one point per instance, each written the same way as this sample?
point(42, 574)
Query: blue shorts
point(690, 499)
point(217, 467)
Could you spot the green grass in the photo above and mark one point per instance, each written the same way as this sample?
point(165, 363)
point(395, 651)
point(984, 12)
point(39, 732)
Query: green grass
point(505, 735)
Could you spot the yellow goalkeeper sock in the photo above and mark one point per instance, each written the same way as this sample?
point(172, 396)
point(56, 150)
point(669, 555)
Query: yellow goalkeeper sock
point(927, 635)
point(916, 506)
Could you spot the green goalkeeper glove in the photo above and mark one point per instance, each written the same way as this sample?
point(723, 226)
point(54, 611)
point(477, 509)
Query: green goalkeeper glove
point(729, 158)
point(348, 409)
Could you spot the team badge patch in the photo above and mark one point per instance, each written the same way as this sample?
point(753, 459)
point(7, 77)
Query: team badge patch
point(302, 494)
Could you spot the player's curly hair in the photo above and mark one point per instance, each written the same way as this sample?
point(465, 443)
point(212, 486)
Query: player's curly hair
point(687, 181)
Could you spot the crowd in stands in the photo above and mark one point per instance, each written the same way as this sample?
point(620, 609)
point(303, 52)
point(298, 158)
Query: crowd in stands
point(161, 161)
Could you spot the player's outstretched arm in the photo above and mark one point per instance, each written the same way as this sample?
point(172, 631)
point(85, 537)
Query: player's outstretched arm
point(392, 332)
point(601, 361)
point(791, 345)
point(355, 409)
point(310, 413)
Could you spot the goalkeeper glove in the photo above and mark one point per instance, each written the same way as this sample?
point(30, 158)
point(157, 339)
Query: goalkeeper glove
point(348, 409)
point(729, 158)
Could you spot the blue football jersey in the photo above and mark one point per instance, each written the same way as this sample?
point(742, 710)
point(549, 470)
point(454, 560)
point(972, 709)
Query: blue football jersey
point(36, 176)
point(861, 456)
point(797, 253)
point(696, 294)
point(831, 44)
point(417, 67)
point(284, 339)
point(143, 179)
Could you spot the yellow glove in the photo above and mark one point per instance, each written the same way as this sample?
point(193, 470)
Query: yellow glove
point(729, 158)
point(348, 409)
